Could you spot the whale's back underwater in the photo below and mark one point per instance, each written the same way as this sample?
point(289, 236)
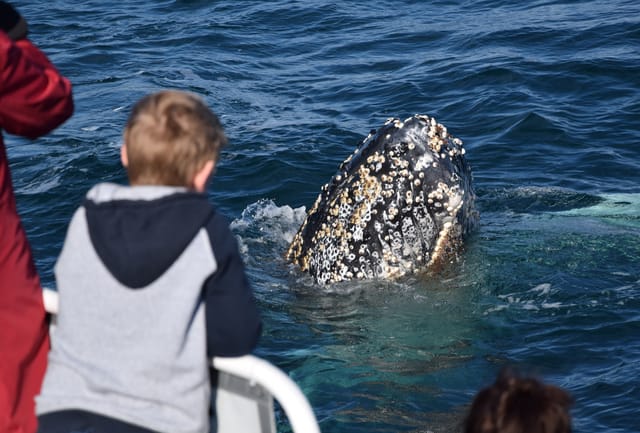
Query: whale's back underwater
point(402, 203)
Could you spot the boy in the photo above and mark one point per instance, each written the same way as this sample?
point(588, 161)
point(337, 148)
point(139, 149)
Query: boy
point(34, 99)
point(151, 284)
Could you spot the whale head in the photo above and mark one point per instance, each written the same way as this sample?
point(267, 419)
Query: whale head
point(401, 204)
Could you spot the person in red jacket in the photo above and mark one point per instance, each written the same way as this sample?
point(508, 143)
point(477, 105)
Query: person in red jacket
point(34, 99)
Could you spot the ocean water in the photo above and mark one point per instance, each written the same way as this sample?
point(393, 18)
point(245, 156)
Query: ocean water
point(546, 96)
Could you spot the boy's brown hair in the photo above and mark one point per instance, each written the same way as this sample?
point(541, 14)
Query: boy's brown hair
point(519, 405)
point(169, 137)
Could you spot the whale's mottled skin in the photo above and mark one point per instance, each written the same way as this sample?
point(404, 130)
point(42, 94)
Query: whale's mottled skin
point(401, 204)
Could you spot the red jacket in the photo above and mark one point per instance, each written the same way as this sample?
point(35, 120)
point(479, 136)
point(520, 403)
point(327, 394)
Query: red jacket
point(34, 99)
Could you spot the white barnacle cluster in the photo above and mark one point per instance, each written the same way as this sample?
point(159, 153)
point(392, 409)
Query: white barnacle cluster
point(334, 252)
point(446, 198)
point(367, 192)
point(390, 213)
point(412, 243)
point(423, 161)
point(344, 209)
point(294, 252)
point(399, 124)
point(392, 262)
point(447, 201)
point(375, 162)
point(441, 142)
point(364, 145)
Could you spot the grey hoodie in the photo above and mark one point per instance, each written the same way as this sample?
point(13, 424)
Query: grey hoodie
point(151, 284)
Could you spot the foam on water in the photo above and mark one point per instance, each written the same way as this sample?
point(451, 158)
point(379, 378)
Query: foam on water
point(40, 187)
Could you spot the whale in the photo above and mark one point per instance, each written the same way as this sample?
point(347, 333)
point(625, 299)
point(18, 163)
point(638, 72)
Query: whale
point(402, 203)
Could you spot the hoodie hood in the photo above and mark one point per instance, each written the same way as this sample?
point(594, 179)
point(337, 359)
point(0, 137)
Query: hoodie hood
point(139, 231)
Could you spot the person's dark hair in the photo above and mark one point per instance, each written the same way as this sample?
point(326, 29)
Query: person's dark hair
point(9, 17)
point(515, 404)
point(11, 22)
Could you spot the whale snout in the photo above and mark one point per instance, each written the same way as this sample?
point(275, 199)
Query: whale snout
point(401, 203)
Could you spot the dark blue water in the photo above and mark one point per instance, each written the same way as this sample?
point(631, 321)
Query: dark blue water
point(546, 97)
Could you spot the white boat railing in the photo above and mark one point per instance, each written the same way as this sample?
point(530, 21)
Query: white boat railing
point(256, 373)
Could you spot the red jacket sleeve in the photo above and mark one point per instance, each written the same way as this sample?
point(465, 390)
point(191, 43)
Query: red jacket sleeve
point(34, 97)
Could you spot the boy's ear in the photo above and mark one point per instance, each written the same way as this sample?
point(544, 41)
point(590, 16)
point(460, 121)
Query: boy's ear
point(123, 155)
point(202, 176)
